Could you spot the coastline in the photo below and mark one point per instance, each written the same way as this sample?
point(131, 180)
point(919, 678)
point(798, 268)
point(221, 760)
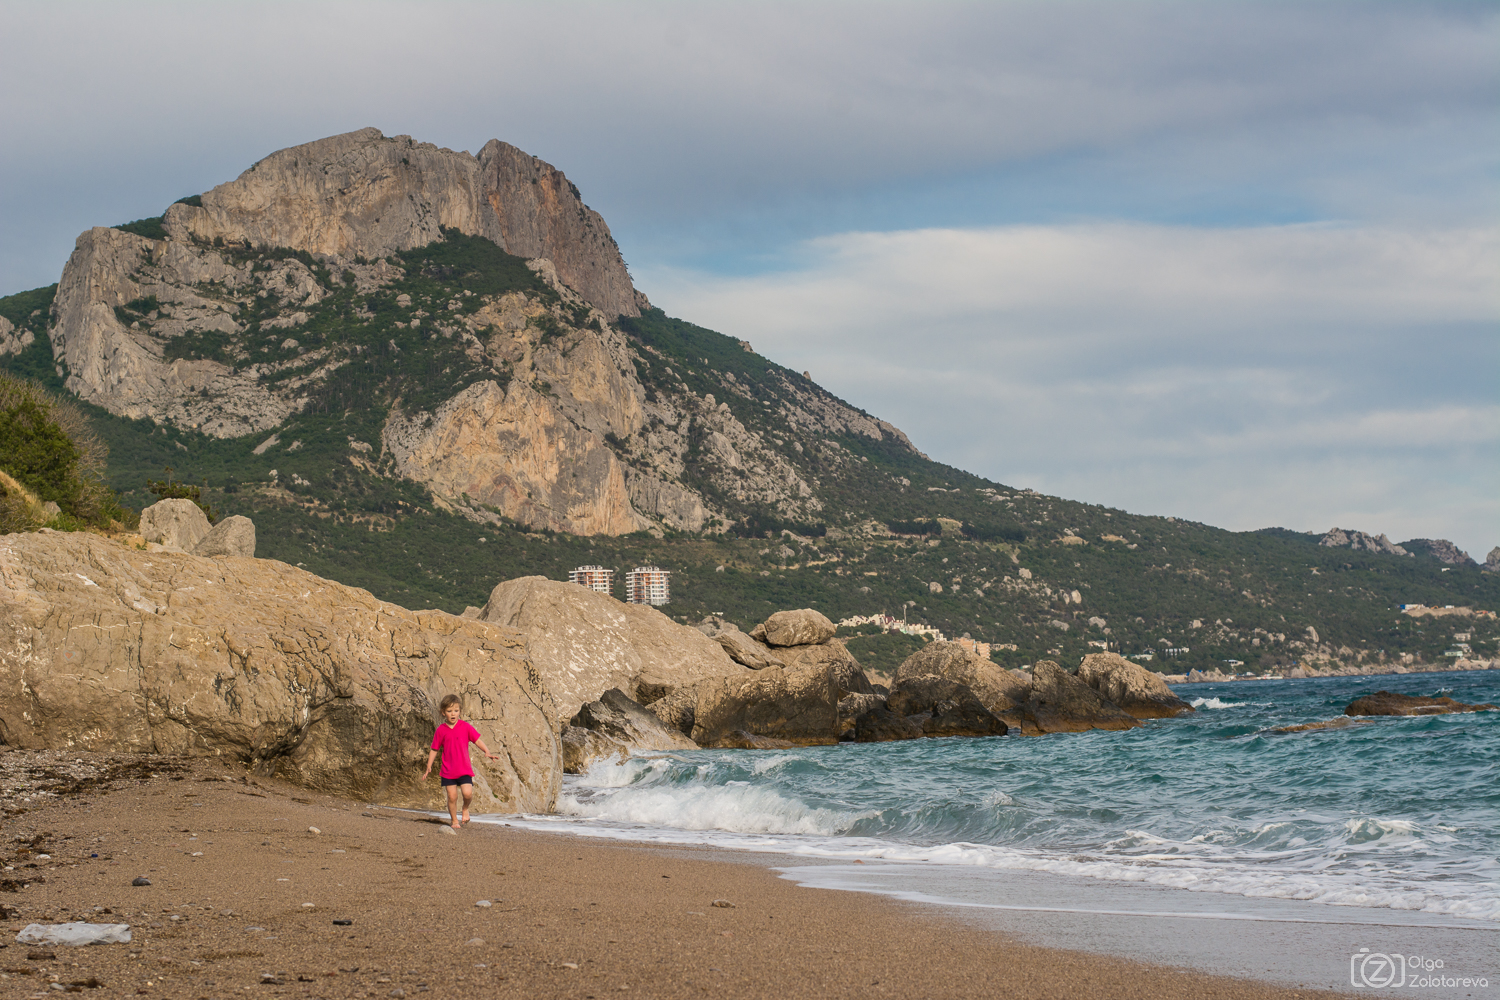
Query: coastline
point(232, 857)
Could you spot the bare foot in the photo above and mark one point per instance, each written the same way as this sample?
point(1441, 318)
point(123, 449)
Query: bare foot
point(458, 826)
point(466, 819)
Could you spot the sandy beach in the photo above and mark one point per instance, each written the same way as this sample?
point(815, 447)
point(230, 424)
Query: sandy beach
point(246, 897)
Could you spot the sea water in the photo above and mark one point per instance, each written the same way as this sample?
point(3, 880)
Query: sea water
point(1211, 816)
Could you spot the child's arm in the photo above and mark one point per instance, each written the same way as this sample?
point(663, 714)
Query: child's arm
point(486, 750)
point(431, 756)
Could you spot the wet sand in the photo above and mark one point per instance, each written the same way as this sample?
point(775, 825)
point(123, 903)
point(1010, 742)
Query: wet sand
point(233, 866)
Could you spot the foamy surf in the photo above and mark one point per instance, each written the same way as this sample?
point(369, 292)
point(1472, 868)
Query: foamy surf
point(1208, 803)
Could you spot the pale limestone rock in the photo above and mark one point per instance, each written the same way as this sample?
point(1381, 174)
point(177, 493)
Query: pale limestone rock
point(582, 747)
point(583, 643)
point(741, 648)
point(799, 705)
point(176, 524)
point(833, 656)
point(803, 627)
point(1061, 703)
point(112, 649)
point(233, 536)
point(999, 690)
point(1135, 689)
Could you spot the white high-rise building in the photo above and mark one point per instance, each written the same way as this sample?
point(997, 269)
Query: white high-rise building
point(594, 577)
point(647, 585)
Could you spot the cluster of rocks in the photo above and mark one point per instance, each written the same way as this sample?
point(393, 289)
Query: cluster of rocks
point(183, 643)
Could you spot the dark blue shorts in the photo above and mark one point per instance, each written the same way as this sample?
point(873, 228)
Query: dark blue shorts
point(464, 779)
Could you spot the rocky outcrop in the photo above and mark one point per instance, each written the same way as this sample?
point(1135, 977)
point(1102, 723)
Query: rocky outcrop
point(852, 706)
point(110, 648)
point(1135, 689)
point(541, 214)
point(175, 524)
point(1392, 703)
point(1061, 703)
point(804, 627)
point(234, 537)
point(785, 703)
point(582, 643)
point(847, 675)
point(1358, 540)
point(629, 723)
point(941, 707)
point(999, 690)
point(741, 648)
point(1440, 549)
point(367, 194)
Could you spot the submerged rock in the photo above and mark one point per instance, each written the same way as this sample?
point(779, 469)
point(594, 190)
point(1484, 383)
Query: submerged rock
point(1392, 703)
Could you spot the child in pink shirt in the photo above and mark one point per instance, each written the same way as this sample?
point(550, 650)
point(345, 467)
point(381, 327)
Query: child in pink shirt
point(452, 739)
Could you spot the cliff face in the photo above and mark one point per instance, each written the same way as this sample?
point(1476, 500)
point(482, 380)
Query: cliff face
point(360, 273)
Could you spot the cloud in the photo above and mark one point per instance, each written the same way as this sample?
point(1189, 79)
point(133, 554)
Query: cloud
point(1244, 377)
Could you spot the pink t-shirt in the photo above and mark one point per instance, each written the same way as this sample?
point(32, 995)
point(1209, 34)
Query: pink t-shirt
point(453, 742)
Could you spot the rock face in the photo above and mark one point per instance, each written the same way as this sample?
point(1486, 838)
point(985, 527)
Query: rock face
point(233, 536)
point(109, 648)
point(1440, 549)
point(997, 689)
point(881, 725)
point(561, 421)
point(629, 723)
point(1132, 687)
point(1061, 703)
point(804, 627)
point(367, 194)
point(582, 643)
point(833, 656)
point(175, 524)
point(741, 648)
point(1492, 561)
point(1391, 703)
point(941, 707)
point(799, 705)
point(1338, 538)
point(582, 747)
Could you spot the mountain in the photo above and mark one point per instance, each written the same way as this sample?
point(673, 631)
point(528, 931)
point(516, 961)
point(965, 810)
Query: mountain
point(422, 371)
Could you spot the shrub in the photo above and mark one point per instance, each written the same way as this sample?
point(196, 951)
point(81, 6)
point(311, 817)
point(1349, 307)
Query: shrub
point(49, 448)
point(176, 489)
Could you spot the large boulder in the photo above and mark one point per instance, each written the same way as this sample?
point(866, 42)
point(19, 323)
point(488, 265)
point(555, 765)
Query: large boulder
point(1392, 703)
point(852, 706)
point(1061, 703)
point(108, 648)
point(233, 536)
point(175, 524)
point(741, 648)
point(999, 690)
point(942, 707)
point(583, 643)
point(629, 723)
point(796, 704)
point(804, 627)
point(834, 657)
point(1135, 689)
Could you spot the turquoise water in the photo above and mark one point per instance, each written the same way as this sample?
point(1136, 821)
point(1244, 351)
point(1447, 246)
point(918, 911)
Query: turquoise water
point(1399, 814)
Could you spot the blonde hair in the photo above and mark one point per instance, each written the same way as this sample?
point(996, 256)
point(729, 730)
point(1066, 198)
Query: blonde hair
point(450, 699)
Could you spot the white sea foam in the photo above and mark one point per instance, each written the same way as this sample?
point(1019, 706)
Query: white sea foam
point(1215, 703)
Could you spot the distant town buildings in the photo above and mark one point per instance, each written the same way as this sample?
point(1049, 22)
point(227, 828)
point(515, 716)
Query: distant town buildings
point(648, 585)
point(594, 577)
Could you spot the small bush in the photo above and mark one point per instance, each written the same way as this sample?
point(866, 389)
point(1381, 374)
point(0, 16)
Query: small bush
point(175, 489)
point(49, 448)
point(150, 228)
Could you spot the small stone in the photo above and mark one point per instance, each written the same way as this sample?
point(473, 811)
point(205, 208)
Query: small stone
point(307, 906)
point(313, 829)
point(397, 992)
point(140, 880)
point(343, 923)
point(254, 930)
point(450, 831)
point(723, 904)
point(484, 903)
point(475, 941)
point(568, 965)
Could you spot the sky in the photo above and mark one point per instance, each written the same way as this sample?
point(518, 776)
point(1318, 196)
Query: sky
point(1237, 262)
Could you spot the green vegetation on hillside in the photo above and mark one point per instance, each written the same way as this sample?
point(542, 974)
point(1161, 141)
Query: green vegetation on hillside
point(963, 554)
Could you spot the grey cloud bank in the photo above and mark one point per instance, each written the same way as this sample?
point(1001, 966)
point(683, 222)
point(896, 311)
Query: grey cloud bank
point(1049, 240)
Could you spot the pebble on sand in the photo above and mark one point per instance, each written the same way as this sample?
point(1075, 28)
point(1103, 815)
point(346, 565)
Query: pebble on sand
point(140, 880)
point(313, 829)
point(723, 904)
point(485, 903)
point(475, 941)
